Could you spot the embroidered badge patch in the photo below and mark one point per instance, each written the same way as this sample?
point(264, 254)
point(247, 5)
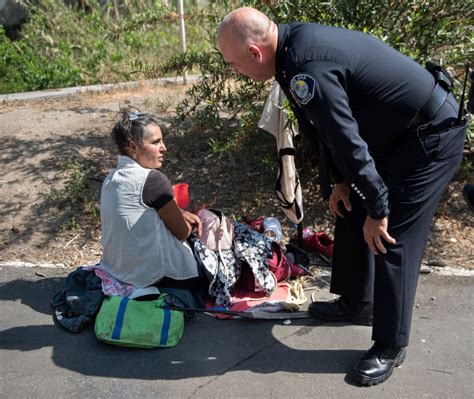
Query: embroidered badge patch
point(302, 88)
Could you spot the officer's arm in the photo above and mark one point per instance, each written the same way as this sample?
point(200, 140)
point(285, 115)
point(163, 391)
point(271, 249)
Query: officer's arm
point(327, 108)
point(338, 177)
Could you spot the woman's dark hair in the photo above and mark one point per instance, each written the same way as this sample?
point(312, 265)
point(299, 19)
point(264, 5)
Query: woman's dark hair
point(131, 128)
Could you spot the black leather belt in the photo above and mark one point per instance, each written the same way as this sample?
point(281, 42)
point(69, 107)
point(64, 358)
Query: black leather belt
point(430, 109)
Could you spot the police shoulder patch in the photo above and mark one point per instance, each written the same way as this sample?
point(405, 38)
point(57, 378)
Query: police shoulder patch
point(302, 87)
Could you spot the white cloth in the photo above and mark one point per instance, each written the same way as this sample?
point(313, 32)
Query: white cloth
point(137, 247)
point(274, 119)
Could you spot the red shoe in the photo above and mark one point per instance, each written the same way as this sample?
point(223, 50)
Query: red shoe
point(319, 242)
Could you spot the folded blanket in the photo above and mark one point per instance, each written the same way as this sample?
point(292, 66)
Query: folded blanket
point(287, 296)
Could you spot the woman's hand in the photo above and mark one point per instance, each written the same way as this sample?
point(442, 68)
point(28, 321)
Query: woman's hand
point(194, 221)
point(374, 231)
point(340, 192)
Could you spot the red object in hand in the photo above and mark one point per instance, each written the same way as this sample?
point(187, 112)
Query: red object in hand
point(181, 194)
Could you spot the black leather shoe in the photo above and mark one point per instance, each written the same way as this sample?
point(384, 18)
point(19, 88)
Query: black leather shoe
point(341, 310)
point(377, 365)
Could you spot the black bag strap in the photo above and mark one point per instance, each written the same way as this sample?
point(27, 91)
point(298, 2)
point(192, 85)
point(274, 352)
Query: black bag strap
point(287, 151)
point(284, 202)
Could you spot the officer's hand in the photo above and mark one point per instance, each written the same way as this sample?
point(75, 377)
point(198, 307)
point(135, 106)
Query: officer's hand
point(340, 192)
point(374, 231)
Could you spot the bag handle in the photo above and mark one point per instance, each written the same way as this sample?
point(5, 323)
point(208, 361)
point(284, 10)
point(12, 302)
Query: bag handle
point(220, 215)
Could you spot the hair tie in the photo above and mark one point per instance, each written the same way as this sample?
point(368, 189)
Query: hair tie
point(134, 116)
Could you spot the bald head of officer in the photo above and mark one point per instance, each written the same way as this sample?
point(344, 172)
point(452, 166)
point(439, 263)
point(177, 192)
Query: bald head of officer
point(247, 40)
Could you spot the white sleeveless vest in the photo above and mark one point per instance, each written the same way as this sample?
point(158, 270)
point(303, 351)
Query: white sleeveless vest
point(137, 247)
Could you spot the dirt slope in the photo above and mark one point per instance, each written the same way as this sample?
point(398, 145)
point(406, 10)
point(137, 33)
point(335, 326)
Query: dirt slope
point(38, 137)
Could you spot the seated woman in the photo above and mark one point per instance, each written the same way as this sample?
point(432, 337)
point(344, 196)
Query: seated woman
point(143, 229)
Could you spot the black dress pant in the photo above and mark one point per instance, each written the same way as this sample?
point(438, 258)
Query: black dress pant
point(416, 173)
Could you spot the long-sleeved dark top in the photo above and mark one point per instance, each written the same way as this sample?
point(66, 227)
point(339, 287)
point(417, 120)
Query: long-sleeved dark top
point(355, 95)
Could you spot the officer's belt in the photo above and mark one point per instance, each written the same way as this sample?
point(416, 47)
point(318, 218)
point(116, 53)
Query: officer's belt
point(431, 108)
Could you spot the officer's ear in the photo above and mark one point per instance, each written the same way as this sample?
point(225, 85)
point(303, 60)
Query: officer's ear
point(255, 52)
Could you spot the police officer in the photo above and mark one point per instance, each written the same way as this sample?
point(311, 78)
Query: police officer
point(388, 132)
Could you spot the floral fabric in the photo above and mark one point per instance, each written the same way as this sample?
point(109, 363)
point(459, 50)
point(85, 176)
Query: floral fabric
point(224, 268)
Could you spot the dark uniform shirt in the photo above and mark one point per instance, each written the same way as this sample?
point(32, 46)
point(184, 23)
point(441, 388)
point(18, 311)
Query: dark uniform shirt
point(355, 95)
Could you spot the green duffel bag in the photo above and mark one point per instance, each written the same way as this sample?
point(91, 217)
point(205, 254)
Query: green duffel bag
point(140, 324)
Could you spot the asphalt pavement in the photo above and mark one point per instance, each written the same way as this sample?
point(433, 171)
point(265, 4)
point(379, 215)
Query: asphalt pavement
point(230, 358)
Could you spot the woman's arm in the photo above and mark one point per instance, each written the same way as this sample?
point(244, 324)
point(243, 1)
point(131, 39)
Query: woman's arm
point(175, 221)
point(157, 193)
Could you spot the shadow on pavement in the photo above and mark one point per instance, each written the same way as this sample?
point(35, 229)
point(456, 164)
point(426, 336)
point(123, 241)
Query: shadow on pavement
point(209, 347)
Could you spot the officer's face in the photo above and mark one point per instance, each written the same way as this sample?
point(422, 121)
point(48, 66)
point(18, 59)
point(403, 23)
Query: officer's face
point(246, 60)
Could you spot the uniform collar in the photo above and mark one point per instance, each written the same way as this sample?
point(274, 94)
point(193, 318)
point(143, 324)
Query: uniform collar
point(283, 34)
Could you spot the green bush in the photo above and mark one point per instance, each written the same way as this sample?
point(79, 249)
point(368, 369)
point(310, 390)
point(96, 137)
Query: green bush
point(62, 46)
point(424, 30)
point(439, 31)
point(78, 197)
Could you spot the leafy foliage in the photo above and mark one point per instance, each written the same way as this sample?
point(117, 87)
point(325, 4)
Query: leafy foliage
point(62, 46)
point(77, 196)
point(439, 31)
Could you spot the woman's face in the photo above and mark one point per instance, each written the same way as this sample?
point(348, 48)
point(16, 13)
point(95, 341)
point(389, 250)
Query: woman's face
point(151, 152)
